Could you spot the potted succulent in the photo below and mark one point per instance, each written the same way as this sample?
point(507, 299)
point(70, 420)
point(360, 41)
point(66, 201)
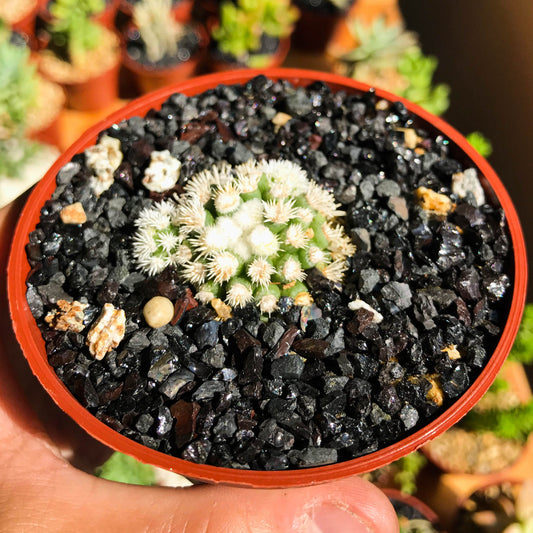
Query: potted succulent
point(81, 55)
point(251, 34)
point(103, 12)
point(492, 436)
point(205, 296)
point(24, 99)
point(387, 56)
point(506, 507)
point(318, 22)
point(158, 49)
point(414, 516)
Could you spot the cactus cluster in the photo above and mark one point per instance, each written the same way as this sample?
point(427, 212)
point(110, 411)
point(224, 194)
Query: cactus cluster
point(158, 28)
point(246, 233)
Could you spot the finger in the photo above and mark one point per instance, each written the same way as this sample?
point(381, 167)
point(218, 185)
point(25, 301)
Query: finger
point(63, 499)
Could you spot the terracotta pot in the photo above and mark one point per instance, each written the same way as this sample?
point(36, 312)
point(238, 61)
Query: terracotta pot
point(95, 93)
point(107, 17)
point(400, 500)
point(150, 79)
point(467, 508)
point(30, 339)
point(26, 24)
point(147, 80)
point(275, 61)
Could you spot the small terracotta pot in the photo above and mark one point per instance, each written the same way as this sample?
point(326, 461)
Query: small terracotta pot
point(146, 79)
point(95, 93)
point(30, 338)
point(26, 25)
point(107, 17)
point(276, 60)
point(464, 508)
point(399, 500)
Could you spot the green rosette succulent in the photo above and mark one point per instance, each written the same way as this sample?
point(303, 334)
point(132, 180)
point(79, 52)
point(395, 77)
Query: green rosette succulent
point(246, 233)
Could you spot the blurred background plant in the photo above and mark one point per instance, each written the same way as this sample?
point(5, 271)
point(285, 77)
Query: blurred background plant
point(158, 29)
point(244, 23)
point(72, 32)
point(390, 57)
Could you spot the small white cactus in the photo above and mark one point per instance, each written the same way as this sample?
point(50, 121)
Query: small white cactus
point(246, 234)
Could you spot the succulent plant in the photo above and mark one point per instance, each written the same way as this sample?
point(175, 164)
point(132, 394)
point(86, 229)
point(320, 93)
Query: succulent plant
point(242, 24)
point(390, 57)
point(158, 28)
point(246, 234)
point(18, 86)
point(480, 143)
point(72, 31)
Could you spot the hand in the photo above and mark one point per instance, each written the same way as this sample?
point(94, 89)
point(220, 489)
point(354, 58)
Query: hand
point(40, 490)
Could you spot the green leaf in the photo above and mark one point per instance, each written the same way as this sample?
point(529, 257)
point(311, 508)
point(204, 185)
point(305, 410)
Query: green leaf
point(408, 470)
point(522, 350)
point(480, 143)
point(514, 424)
point(126, 469)
point(418, 69)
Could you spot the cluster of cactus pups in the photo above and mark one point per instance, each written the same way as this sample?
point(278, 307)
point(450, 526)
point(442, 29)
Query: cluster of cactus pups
point(246, 233)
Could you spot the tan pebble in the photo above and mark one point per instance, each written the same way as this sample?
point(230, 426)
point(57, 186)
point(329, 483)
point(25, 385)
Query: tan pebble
point(158, 311)
point(435, 394)
point(73, 214)
point(223, 310)
point(303, 298)
point(382, 105)
point(411, 138)
point(452, 351)
point(433, 201)
point(107, 331)
point(280, 119)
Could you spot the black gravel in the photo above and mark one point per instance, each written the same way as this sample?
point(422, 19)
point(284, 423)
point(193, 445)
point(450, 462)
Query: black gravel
point(282, 393)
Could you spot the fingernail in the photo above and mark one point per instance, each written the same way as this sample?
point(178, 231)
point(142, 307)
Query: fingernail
point(332, 519)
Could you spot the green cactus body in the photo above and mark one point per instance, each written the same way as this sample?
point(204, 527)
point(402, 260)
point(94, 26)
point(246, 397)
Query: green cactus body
point(246, 233)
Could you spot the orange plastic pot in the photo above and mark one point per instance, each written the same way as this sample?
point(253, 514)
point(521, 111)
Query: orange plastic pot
point(30, 339)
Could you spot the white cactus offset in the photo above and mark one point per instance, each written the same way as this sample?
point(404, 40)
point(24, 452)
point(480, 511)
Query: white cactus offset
point(246, 234)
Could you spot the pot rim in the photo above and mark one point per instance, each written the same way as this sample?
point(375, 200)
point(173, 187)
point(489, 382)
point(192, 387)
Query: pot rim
point(30, 340)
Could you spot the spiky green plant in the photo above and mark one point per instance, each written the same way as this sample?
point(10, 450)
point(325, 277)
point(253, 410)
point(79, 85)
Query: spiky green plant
point(246, 234)
point(72, 31)
point(159, 30)
point(242, 24)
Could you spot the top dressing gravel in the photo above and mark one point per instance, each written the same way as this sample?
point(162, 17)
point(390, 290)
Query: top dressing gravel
point(359, 365)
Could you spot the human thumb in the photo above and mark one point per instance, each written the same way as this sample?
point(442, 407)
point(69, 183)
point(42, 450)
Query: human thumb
point(76, 501)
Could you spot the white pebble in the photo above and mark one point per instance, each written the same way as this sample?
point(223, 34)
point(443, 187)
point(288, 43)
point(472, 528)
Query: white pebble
point(359, 304)
point(467, 181)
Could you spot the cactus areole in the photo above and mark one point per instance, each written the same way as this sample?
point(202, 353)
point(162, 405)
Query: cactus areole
point(246, 233)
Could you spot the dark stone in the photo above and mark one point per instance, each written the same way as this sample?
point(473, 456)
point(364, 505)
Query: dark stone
point(289, 366)
point(207, 334)
point(314, 348)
